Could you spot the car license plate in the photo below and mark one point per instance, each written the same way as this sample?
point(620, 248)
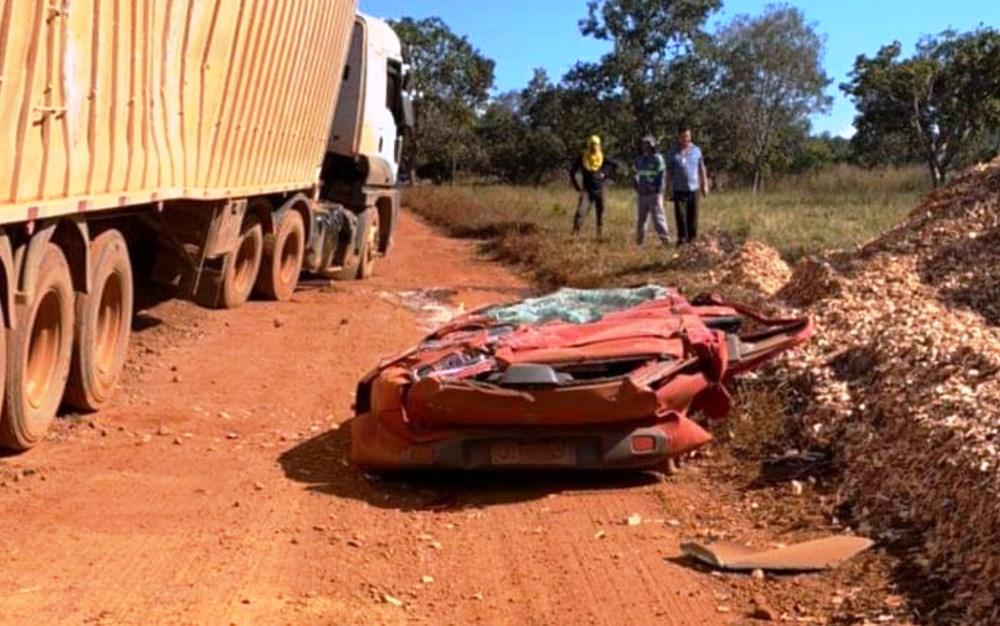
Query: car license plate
point(548, 453)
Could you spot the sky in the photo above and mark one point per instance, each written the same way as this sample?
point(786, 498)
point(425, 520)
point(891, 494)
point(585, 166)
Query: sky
point(521, 35)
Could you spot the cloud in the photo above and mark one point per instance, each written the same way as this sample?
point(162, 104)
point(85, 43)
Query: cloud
point(848, 131)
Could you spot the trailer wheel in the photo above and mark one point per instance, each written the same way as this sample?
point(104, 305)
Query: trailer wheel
point(369, 246)
point(239, 272)
point(38, 355)
point(103, 320)
point(282, 259)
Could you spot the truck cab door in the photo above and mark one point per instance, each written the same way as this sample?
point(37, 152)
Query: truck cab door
point(398, 101)
point(371, 113)
point(345, 133)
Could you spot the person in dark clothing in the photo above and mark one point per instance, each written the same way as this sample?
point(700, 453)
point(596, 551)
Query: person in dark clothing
point(688, 176)
point(595, 169)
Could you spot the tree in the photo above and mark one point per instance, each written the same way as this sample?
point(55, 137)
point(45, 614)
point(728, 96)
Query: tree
point(590, 105)
point(942, 105)
point(543, 107)
point(503, 135)
point(444, 141)
point(819, 151)
point(452, 81)
point(649, 36)
point(530, 135)
point(770, 81)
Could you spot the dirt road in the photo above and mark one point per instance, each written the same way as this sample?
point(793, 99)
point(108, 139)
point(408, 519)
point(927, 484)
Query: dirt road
point(216, 490)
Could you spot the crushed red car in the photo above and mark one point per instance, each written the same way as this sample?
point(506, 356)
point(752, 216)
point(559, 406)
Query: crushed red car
point(577, 379)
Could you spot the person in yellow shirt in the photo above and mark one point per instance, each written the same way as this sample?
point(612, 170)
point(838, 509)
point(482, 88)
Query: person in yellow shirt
point(595, 168)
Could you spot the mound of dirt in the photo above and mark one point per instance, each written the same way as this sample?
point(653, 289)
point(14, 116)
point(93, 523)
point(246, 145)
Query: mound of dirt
point(903, 381)
point(757, 266)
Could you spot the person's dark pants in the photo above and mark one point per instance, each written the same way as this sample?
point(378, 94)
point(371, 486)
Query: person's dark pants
point(686, 214)
point(587, 199)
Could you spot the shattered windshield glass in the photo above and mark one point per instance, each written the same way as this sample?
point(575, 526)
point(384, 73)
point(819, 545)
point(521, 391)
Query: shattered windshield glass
point(575, 306)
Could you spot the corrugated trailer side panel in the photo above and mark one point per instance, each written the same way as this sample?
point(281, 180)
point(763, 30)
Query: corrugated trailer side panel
point(106, 103)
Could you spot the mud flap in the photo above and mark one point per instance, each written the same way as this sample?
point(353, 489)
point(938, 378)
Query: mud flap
point(209, 288)
point(194, 247)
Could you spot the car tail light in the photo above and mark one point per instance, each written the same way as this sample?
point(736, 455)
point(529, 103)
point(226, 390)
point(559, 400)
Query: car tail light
point(643, 444)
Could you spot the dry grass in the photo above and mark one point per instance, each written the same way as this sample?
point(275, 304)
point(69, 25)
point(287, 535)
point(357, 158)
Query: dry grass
point(530, 227)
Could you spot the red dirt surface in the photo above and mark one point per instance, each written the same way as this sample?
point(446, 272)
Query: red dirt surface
point(216, 490)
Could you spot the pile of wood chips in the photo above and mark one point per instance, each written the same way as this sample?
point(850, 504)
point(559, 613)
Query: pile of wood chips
point(758, 266)
point(702, 253)
point(812, 279)
point(902, 379)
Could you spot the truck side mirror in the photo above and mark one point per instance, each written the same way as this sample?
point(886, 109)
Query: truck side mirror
point(407, 77)
point(408, 117)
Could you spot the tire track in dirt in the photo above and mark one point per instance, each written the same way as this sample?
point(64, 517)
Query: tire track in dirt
point(214, 491)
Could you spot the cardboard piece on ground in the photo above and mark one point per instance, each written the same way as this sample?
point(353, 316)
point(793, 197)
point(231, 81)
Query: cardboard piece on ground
point(818, 554)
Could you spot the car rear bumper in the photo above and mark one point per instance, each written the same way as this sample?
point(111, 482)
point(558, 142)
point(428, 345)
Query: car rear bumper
point(376, 447)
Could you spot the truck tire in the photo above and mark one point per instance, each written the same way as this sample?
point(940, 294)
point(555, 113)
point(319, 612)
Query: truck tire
point(369, 246)
point(39, 351)
point(282, 260)
point(239, 272)
point(103, 324)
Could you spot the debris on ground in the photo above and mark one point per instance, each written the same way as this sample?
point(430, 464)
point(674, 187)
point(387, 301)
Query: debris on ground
point(762, 610)
point(794, 465)
point(390, 599)
point(432, 304)
point(903, 382)
point(808, 556)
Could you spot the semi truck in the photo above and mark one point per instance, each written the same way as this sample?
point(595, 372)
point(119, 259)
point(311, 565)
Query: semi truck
point(221, 147)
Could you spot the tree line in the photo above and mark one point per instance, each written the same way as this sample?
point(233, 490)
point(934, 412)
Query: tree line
point(749, 89)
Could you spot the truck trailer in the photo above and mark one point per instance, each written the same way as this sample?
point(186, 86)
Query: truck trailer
point(220, 147)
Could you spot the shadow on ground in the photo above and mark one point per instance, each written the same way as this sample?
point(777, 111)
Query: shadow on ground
point(323, 465)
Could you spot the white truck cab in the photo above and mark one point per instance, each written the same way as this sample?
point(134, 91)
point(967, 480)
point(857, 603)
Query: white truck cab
point(361, 167)
point(373, 110)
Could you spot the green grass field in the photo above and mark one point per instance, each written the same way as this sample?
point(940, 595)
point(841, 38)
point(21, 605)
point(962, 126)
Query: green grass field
point(530, 227)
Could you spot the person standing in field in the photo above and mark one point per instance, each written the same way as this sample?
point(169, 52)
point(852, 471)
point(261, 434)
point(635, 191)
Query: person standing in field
point(650, 180)
point(594, 167)
point(688, 177)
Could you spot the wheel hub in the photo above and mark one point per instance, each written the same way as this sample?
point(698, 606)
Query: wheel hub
point(43, 351)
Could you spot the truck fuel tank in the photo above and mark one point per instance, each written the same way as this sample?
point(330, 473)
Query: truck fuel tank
point(337, 245)
point(333, 237)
